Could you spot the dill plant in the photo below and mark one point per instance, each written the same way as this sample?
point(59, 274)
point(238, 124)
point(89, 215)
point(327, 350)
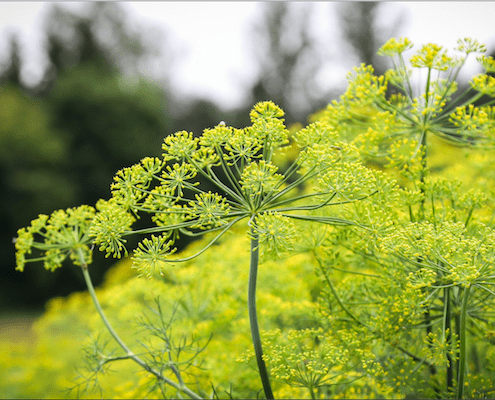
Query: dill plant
point(425, 286)
point(407, 306)
point(240, 164)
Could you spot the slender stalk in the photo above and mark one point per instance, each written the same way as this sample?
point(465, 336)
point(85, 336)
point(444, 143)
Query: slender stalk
point(447, 326)
point(253, 319)
point(457, 324)
point(421, 216)
point(181, 387)
point(432, 367)
point(427, 94)
point(462, 345)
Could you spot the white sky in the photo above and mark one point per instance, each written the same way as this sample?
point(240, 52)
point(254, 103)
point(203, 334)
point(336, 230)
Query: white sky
point(205, 29)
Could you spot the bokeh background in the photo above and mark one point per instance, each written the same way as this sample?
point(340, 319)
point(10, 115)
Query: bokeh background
point(88, 88)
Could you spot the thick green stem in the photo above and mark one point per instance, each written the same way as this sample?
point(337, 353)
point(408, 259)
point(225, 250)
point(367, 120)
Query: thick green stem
point(253, 319)
point(462, 345)
point(121, 343)
point(312, 393)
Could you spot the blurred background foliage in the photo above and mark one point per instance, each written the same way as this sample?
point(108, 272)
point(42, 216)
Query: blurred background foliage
point(62, 140)
point(94, 112)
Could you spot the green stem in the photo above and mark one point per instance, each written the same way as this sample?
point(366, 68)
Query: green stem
point(427, 94)
point(462, 345)
point(121, 343)
point(432, 367)
point(447, 327)
point(312, 392)
point(253, 319)
point(424, 165)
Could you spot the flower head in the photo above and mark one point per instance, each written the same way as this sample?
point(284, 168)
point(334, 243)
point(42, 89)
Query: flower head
point(275, 231)
point(176, 178)
point(266, 110)
point(151, 255)
point(431, 56)
point(216, 137)
point(488, 63)
point(129, 185)
point(209, 209)
point(110, 224)
point(394, 47)
point(62, 234)
point(469, 45)
point(484, 84)
point(179, 146)
point(242, 145)
point(259, 178)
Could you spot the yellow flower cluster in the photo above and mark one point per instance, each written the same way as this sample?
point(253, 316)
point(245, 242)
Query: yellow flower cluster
point(395, 46)
point(485, 84)
point(431, 56)
point(488, 63)
point(63, 234)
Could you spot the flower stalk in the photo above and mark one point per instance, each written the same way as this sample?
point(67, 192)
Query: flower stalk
point(253, 318)
point(462, 343)
point(181, 387)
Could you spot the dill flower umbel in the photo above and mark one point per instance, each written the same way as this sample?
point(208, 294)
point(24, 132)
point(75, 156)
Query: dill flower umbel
point(377, 112)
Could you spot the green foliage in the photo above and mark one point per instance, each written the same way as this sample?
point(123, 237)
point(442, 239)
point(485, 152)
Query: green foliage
point(113, 121)
point(209, 302)
point(367, 288)
point(30, 150)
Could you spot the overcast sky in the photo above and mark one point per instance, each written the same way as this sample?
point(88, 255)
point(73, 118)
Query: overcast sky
point(202, 30)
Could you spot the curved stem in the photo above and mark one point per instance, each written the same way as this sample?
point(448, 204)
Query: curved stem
point(253, 319)
point(122, 344)
point(212, 242)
